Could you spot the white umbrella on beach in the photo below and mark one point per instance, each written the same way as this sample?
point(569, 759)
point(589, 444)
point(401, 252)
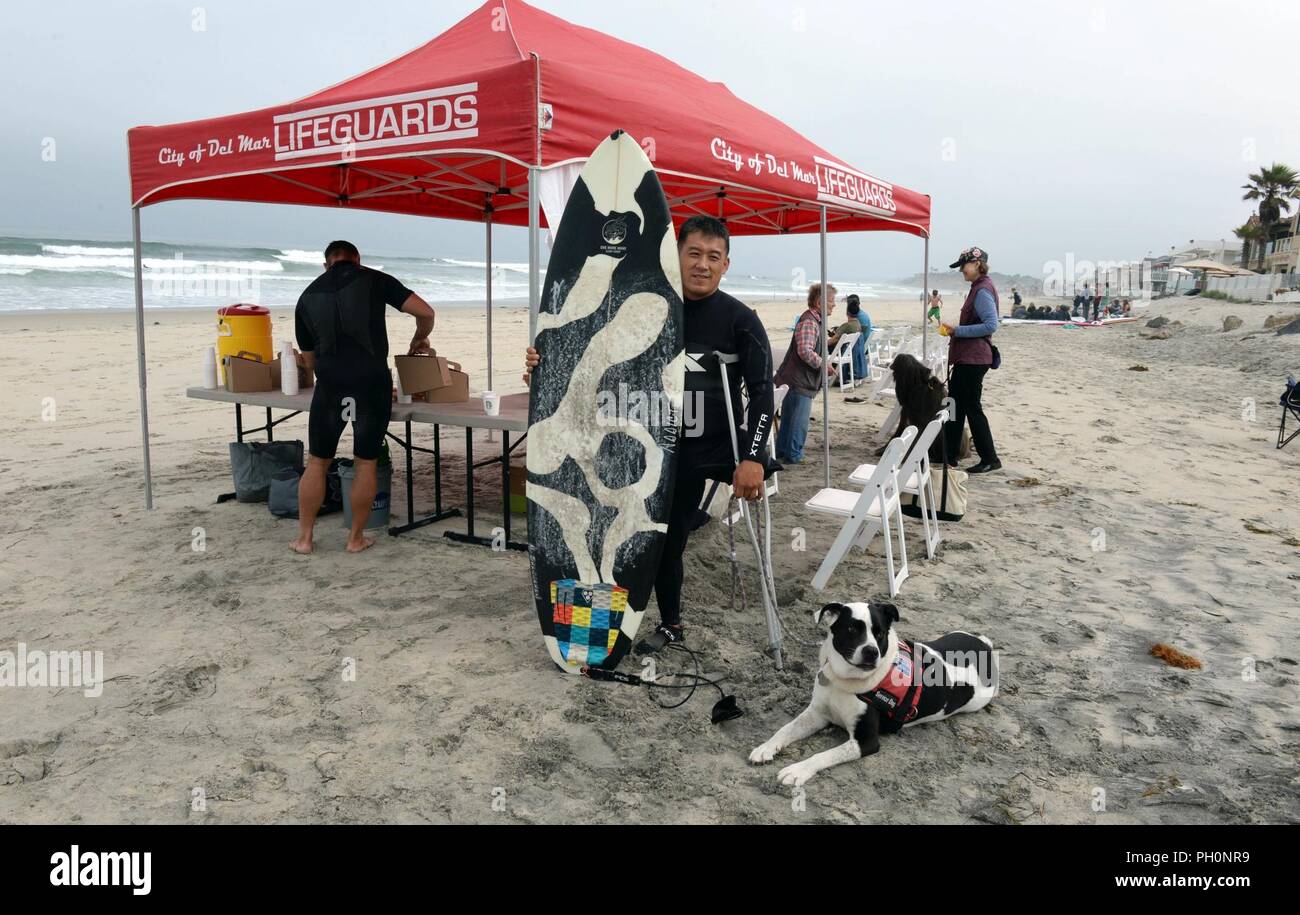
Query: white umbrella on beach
point(1213, 268)
point(1209, 268)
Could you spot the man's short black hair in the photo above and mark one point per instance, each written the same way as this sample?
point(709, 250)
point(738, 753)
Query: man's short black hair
point(341, 248)
point(707, 226)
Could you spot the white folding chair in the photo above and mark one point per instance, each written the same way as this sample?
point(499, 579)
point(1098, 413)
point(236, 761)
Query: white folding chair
point(843, 355)
point(886, 430)
point(936, 359)
point(876, 364)
point(915, 479)
point(773, 484)
point(778, 398)
point(890, 347)
point(884, 386)
point(872, 511)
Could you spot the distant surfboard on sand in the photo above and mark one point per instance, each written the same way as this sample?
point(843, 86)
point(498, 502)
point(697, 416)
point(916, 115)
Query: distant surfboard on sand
point(604, 409)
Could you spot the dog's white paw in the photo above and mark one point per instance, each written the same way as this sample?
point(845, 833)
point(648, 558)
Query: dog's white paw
point(795, 775)
point(762, 754)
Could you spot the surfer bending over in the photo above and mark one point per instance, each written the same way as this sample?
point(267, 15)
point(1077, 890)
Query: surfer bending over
point(715, 323)
point(341, 332)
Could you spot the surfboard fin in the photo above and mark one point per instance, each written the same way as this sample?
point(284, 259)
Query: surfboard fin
point(725, 709)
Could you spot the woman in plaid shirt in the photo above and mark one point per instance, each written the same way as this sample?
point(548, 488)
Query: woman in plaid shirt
point(802, 369)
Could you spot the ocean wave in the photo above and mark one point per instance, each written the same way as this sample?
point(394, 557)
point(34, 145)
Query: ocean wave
point(88, 249)
point(88, 262)
point(482, 265)
point(297, 256)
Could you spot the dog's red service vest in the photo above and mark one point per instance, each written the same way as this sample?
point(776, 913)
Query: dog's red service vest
point(898, 695)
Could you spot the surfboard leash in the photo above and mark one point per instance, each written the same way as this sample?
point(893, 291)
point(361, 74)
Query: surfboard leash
point(725, 709)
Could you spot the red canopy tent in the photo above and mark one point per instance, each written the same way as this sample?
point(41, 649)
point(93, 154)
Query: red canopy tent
point(480, 123)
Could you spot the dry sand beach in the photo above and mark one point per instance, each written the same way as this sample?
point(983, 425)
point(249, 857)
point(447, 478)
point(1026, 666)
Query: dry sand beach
point(224, 667)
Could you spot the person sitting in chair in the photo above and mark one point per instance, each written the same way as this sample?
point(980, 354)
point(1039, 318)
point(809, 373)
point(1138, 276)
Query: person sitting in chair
point(852, 326)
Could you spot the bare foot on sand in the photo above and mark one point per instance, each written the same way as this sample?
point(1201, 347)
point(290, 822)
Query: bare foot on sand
point(356, 546)
point(301, 546)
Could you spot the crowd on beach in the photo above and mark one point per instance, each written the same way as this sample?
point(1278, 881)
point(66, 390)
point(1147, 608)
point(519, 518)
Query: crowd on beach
point(1086, 306)
point(1100, 306)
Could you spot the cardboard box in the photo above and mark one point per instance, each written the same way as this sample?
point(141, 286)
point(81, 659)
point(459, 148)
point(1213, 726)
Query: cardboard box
point(518, 485)
point(419, 374)
point(247, 376)
point(456, 391)
point(518, 475)
point(305, 379)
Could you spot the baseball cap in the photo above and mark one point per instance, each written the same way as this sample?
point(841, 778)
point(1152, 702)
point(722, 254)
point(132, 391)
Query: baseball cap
point(970, 254)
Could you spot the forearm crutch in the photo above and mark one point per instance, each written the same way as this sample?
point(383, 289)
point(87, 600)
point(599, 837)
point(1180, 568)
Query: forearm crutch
point(762, 553)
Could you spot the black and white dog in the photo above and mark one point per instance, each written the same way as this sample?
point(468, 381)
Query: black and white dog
point(871, 682)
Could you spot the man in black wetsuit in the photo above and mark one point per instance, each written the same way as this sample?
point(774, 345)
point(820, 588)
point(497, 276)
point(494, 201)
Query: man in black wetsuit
point(340, 328)
point(715, 323)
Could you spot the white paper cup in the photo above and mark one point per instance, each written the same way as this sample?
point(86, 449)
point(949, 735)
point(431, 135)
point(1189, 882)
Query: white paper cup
point(491, 403)
point(402, 397)
point(209, 374)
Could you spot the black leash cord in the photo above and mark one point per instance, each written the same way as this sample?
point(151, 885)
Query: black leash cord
point(614, 676)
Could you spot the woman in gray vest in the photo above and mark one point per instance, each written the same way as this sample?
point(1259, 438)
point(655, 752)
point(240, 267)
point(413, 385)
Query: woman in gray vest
point(803, 371)
point(970, 354)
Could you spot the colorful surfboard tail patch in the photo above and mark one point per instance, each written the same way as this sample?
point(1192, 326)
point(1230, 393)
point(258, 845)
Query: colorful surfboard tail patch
point(587, 619)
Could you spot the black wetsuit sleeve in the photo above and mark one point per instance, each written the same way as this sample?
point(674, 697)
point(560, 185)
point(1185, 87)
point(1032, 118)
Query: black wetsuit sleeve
point(302, 329)
point(391, 290)
point(756, 368)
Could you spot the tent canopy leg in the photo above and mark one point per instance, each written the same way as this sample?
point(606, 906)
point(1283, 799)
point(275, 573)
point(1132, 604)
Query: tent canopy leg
point(925, 298)
point(826, 381)
point(139, 353)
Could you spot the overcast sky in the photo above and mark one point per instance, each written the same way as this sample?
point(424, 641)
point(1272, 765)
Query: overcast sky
point(1102, 130)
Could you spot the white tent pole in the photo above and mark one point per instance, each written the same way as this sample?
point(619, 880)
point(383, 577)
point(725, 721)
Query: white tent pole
point(925, 300)
point(139, 353)
point(826, 382)
point(487, 222)
point(534, 254)
point(487, 259)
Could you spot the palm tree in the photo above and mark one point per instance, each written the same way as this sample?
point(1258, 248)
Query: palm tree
point(1274, 187)
point(1251, 234)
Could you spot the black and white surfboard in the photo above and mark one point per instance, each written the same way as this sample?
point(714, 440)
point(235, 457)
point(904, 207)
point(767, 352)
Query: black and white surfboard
point(604, 409)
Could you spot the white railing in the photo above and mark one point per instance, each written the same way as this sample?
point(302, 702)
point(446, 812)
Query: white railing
point(1256, 288)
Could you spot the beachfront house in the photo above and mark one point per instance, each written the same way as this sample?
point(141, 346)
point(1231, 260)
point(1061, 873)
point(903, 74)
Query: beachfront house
point(1157, 268)
point(1282, 251)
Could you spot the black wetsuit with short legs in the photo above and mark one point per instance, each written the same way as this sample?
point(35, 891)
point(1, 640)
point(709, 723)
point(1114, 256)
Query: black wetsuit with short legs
point(340, 318)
